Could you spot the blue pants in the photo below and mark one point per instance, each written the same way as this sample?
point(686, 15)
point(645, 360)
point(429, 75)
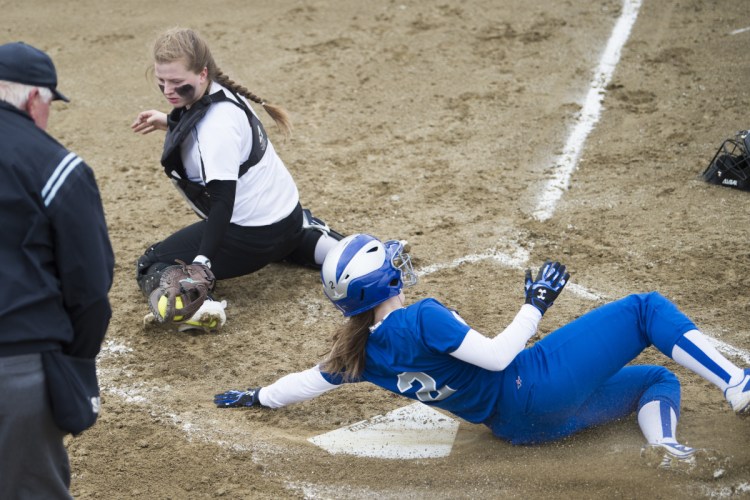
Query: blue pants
point(576, 377)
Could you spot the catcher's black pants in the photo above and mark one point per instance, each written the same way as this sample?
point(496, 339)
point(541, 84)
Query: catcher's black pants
point(243, 250)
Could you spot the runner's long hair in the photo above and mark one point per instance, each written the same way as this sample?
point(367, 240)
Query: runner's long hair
point(347, 354)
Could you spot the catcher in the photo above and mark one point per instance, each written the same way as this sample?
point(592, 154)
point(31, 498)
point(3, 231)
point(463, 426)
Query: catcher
point(218, 155)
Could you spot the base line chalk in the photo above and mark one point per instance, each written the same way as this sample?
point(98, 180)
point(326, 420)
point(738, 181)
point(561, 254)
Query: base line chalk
point(566, 162)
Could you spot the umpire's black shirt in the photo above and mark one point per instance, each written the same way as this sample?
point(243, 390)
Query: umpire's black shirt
point(56, 260)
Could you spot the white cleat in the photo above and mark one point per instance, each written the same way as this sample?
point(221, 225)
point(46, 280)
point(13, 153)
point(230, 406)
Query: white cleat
point(675, 450)
point(701, 463)
point(738, 395)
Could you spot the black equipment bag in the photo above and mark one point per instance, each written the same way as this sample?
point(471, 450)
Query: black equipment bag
point(730, 166)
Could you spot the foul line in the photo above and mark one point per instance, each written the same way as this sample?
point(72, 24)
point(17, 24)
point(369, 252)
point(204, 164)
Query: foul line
point(567, 160)
point(518, 260)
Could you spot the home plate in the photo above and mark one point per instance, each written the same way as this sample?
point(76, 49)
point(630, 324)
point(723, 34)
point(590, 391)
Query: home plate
point(414, 431)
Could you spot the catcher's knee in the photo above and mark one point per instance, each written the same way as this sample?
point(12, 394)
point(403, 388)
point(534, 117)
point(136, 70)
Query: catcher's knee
point(148, 271)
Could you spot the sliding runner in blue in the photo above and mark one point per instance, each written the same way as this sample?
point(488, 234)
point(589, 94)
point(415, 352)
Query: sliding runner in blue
point(574, 378)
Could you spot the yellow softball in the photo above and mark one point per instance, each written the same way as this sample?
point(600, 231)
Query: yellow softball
point(163, 306)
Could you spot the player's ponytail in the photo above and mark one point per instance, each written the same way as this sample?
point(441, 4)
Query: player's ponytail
point(347, 355)
point(279, 114)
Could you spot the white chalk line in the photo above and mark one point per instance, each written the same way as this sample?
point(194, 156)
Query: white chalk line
point(201, 424)
point(567, 161)
point(728, 350)
point(741, 30)
point(518, 260)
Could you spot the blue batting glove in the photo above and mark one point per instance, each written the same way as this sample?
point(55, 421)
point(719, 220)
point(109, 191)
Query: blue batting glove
point(550, 280)
point(237, 399)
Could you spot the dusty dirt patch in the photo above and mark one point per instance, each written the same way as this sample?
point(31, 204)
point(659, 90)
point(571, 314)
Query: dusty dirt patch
point(434, 122)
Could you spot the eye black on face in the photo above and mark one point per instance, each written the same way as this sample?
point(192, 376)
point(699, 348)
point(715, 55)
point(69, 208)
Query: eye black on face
point(186, 90)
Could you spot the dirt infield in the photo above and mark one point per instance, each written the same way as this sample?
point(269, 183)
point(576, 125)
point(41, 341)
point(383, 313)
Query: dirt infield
point(437, 122)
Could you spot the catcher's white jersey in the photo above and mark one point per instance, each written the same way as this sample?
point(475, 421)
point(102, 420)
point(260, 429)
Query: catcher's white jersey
point(222, 141)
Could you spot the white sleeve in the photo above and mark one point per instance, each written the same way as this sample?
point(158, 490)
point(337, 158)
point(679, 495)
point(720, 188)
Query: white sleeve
point(497, 353)
point(294, 388)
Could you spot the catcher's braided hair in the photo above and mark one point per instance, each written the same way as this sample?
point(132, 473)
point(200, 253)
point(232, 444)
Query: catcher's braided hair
point(186, 44)
point(278, 113)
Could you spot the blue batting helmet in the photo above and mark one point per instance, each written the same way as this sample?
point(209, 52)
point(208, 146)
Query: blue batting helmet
point(360, 272)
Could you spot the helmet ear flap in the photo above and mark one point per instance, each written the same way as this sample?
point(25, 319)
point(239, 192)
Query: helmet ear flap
point(730, 166)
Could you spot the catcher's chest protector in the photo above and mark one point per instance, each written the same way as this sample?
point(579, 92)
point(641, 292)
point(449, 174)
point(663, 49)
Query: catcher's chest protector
point(180, 122)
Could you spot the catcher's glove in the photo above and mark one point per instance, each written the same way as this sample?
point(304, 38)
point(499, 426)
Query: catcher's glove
point(182, 290)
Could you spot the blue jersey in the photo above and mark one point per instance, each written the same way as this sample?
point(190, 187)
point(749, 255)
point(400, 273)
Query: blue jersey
point(408, 354)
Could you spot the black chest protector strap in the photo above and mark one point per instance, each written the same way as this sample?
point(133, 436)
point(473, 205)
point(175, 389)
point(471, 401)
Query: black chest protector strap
point(180, 123)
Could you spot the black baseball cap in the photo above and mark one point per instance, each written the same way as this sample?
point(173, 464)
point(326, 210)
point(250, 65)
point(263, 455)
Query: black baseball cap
point(22, 63)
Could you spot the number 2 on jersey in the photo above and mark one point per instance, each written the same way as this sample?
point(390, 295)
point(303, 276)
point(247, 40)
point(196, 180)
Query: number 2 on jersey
point(406, 381)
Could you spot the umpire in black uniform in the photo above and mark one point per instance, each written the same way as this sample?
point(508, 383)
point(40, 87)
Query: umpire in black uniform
point(56, 270)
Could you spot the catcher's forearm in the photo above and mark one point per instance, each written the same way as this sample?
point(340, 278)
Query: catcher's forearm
point(222, 203)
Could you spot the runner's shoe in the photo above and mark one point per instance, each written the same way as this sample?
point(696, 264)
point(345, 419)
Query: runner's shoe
point(738, 395)
point(700, 463)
